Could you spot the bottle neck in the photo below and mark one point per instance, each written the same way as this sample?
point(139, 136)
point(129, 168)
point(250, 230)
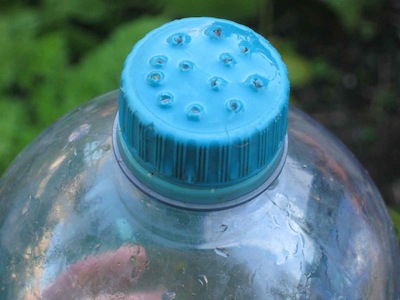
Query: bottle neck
point(166, 224)
point(189, 196)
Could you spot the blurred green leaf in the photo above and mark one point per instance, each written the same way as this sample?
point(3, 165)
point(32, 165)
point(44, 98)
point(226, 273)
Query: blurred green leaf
point(351, 12)
point(323, 70)
point(41, 77)
point(88, 10)
point(395, 215)
point(369, 134)
point(100, 70)
point(299, 67)
point(14, 131)
point(303, 70)
point(232, 9)
point(17, 37)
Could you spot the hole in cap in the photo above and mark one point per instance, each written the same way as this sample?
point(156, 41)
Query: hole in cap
point(194, 111)
point(234, 105)
point(158, 61)
point(217, 82)
point(178, 39)
point(155, 78)
point(186, 66)
point(257, 82)
point(217, 31)
point(244, 47)
point(227, 59)
point(165, 99)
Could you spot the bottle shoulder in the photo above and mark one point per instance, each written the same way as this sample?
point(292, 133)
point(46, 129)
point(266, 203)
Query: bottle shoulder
point(75, 156)
point(66, 192)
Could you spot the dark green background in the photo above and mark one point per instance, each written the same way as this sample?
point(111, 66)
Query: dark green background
point(343, 59)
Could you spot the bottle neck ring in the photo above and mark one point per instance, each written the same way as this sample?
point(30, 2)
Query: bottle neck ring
point(193, 197)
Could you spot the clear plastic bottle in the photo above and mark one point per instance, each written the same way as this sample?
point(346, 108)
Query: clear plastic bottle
point(204, 186)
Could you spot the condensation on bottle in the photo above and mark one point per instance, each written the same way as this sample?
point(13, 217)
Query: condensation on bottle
point(195, 180)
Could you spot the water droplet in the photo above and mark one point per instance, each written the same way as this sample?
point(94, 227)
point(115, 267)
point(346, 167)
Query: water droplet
point(223, 227)
point(106, 147)
point(25, 209)
point(317, 197)
point(281, 201)
point(305, 226)
point(133, 261)
point(251, 278)
point(282, 257)
point(273, 184)
point(80, 132)
point(221, 252)
point(168, 295)
point(203, 280)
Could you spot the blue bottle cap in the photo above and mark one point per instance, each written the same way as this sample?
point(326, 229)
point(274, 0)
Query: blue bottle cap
point(203, 111)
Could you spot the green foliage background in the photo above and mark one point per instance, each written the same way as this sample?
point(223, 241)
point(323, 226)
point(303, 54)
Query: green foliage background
point(341, 55)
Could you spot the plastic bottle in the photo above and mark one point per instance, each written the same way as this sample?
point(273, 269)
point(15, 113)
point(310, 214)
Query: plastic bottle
point(203, 186)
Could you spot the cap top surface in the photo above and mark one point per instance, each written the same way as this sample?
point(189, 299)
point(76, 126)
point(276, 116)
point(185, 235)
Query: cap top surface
point(204, 62)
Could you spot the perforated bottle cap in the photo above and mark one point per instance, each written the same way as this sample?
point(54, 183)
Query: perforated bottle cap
point(203, 110)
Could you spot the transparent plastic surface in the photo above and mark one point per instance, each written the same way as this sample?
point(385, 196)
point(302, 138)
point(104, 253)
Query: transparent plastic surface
point(72, 226)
